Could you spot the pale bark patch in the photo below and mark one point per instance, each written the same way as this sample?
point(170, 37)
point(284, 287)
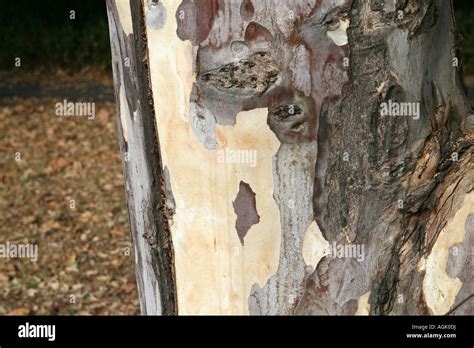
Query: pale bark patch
point(439, 289)
point(315, 247)
point(125, 15)
point(214, 272)
point(339, 35)
point(363, 305)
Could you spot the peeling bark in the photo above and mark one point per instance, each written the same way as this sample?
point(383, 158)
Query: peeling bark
point(270, 124)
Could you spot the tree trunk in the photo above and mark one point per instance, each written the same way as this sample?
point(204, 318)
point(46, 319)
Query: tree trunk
point(299, 157)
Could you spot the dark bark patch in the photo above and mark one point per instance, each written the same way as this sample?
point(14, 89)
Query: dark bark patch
point(196, 18)
point(258, 34)
point(250, 76)
point(247, 10)
point(290, 123)
point(245, 207)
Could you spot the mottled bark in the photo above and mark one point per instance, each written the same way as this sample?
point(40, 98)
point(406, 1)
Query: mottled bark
point(405, 178)
point(279, 184)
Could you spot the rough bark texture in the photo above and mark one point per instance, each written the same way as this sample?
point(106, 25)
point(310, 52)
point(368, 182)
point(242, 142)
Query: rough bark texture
point(344, 209)
point(399, 187)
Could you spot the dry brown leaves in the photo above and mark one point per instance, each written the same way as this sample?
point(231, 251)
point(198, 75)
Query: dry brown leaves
point(66, 195)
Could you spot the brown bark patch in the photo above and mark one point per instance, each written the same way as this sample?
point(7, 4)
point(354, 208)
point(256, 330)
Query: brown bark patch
point(196, 18)
point(247, 10)
point(245, 207)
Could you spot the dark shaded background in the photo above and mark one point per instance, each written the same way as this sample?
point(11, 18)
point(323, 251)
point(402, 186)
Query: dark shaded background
point(41, 33)
point(465, 21)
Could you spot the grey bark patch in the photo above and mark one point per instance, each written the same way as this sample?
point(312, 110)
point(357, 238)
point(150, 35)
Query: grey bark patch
point(156, 15)
point(239, 49)
point(470, 121)
point(461, 266)
point(458, 256)
point(301, 77)
point(459, 261)
point(294, 185)
point(245, 207)
point(203, 124)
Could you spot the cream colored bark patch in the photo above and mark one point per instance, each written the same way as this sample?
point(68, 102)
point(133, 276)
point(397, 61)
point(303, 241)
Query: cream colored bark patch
point(125, 15)
point(315, 247)
point(125, 18)
point(439, 289)
point(214, 272)
point(339, 35)
point(363, 306)
point(123, 111)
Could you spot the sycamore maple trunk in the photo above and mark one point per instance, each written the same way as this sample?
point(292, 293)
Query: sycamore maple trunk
point(295, 157)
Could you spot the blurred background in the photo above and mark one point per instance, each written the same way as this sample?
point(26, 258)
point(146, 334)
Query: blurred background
point(66, 193)
point(61, 184)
